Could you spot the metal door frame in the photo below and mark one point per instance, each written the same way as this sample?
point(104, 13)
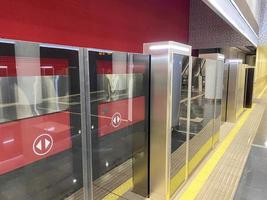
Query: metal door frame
point(86, 123)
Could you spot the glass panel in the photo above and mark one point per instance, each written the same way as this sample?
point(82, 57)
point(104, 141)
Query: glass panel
point(40, 140)
point(218, 100)
point(202, 109)
point(179, 120)
point(119, 88)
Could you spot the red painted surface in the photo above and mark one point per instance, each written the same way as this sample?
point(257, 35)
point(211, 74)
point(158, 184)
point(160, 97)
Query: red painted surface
point(128, 117)
point(17, 139)
point(7, 66)
point(54, 66)
point(27, 66)
point(107, 24)
point(106, 67)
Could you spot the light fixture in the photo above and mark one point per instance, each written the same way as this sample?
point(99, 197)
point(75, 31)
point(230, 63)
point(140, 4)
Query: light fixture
point(74, 180)
point(169, 46)
point(59, 47)
point(3, 67)
point(107, 164)
point(221, 57)
point(234, 61)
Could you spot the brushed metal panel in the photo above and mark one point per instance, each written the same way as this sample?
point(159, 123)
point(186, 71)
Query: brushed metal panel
point(232, 92)
point(160, 126)
point(225, 92)
point(236, 84)
point(164, 91)
point(240, 90)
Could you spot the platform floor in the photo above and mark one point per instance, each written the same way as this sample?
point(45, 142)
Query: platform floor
point(253, 182)
point(219, 175)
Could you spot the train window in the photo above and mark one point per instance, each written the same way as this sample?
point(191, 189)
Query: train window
point(119, 90)
point(40, 129)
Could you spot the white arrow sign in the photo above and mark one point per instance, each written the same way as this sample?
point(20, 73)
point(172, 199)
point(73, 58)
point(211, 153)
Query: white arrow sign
point(42, 144)
point(116, 120)
point(47, 142)
point(39, 145)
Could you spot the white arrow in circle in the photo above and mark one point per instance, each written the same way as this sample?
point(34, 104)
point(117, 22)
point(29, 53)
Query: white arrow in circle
point(39, 145)
point(42, 144)
point(47, 142)
point(116, 119)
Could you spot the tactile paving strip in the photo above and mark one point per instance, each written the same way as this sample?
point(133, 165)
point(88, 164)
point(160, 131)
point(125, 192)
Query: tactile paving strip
point(108, 182)
point(223, 181)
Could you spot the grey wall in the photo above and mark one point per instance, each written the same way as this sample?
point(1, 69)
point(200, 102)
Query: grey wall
point(208, 30)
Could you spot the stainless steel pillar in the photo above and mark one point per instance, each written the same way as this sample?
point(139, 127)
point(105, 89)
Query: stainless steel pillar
point(164, 102)
point(235, 91)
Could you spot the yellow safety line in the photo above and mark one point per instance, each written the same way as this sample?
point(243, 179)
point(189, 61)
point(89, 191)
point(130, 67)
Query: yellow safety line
point(262, 92)
point(195, 186)
point(179, 178)
point(200, 154)
point(119, 191)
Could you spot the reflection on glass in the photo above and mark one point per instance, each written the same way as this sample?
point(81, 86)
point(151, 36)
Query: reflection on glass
point(218, 100)
point(203, 91)
point(39, 122)
point(179, 120)
point(119, 117)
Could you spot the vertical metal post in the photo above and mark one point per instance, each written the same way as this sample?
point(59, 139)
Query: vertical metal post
point(86, 123)
point(214, 131)
point(160, 130)
point(140, 164)
point(161, 114)
point(188, 118)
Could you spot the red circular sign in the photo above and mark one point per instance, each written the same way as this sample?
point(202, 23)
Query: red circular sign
point(42, 144)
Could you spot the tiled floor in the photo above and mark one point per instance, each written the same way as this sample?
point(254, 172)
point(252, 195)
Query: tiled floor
point(253, 182)
point(223, 180)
